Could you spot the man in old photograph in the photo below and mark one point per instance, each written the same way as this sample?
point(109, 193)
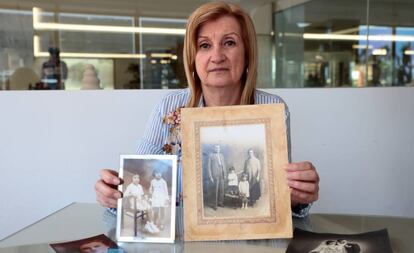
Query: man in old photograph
point(216, 170)
point(253, 169)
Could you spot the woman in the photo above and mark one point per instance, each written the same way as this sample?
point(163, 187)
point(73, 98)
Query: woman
point(220, 60)
point(253, 169)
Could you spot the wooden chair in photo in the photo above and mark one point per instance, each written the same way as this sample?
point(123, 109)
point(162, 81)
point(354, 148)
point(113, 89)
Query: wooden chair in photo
point(134, 213)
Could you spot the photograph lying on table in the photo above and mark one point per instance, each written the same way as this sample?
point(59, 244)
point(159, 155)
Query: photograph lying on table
point(98, 244)
point(234, 186)
point(146, 213)
point(370, 242)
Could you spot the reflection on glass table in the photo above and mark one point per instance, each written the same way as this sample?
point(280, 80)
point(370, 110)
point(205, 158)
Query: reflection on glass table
point(79, 221)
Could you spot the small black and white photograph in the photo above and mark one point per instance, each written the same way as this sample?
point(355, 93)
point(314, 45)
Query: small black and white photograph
point(309, 242)
point(234, 171)
point(146, 213)
point(96, 244)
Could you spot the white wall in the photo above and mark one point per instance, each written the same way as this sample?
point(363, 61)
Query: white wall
point(53, 143)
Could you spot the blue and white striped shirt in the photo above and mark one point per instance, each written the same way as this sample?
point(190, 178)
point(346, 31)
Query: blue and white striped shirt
point(156, 133)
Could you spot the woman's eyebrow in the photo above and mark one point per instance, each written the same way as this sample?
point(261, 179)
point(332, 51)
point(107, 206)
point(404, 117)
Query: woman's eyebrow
point(202, 37)
point(224, 35)
point(232, 33)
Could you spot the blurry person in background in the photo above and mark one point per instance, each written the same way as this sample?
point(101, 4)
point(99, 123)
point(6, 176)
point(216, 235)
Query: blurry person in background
point(54, 71)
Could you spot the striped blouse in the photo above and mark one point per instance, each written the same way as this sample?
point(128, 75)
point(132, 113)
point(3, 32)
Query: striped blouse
point(157, 133)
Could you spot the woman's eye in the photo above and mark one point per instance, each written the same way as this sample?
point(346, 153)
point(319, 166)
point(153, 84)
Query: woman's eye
point(230, 43)
point(204, 46)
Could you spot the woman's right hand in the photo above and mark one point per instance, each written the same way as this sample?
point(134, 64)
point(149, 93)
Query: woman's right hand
point(106, 188)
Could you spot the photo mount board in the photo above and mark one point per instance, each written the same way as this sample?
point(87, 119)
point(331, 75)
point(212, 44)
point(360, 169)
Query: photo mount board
point(276, 221)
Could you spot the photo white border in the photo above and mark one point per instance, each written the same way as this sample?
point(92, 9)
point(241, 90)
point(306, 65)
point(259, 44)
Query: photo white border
point(171, 239)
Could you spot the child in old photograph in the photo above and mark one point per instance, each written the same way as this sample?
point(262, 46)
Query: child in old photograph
point(136, 193)
point(233, 182)
point(160, 199)
point(244, 191)
point(139, 201)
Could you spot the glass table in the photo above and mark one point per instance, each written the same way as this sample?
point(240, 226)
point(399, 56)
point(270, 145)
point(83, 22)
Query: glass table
point(80, 220)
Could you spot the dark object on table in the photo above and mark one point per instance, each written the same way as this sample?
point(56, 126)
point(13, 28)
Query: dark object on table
point(309, 242)
point(96, 244)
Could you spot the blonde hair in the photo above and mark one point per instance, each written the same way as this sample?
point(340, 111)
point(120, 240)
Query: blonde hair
point(209, 12)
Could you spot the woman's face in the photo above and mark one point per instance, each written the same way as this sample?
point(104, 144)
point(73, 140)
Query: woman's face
point(220, 53)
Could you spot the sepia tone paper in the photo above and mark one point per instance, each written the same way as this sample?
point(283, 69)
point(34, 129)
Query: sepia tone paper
point(223, 148)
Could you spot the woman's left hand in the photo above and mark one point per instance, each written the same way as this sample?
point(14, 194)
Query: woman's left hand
point(303, 181)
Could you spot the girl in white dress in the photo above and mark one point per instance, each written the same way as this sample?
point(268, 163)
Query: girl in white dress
point(160, 199)
point(244, 191)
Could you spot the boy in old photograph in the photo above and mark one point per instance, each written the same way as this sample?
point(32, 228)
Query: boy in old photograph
point(97, 246)
point(136, 193)
point(253, 169)
point(244, 190)
point(216, 169)
point(232, 182)
point(160, 199)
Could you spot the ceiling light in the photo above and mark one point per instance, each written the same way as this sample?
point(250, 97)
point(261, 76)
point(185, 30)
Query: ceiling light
point(361, 46)
point(379, 51)
point(43, 26)
point(330, 36)
point(303, 24)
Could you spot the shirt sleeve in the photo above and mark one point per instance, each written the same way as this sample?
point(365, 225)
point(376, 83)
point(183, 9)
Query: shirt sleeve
point(301, 210)
point(152, 141)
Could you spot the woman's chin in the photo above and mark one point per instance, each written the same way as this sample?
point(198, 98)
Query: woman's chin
point(221, 83)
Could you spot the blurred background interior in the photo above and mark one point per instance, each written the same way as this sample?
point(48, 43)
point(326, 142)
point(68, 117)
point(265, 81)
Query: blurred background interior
point(128, 44)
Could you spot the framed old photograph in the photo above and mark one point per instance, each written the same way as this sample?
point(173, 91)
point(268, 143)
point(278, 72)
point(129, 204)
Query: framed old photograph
point(146, 213)
point(234, 186)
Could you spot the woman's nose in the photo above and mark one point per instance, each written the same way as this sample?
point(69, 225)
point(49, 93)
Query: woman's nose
point(218, 55)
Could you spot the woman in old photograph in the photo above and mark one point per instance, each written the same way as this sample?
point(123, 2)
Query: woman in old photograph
point(220, 61)
point(253, 171)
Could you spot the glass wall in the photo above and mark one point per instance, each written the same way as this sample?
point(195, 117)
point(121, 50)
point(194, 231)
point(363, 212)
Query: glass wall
point(73, 46)
point(138, 44)
point(352, 43)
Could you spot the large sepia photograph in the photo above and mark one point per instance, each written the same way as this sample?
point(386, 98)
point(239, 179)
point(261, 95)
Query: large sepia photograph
point(233, 181)
point(146, 213)
point(234, 171)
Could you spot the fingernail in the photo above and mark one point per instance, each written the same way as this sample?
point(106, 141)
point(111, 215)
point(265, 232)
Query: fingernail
point(117, 195)
point(116, 181)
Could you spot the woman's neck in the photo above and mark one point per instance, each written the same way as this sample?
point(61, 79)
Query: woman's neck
point(222, 96)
